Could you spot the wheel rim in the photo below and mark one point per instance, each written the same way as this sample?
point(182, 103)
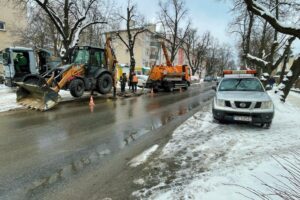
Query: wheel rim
point(105, 83)
point(79, 87)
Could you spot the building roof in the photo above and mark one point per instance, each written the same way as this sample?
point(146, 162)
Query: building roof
point(20, 48)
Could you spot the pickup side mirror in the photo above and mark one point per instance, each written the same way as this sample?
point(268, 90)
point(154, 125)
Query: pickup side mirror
point(214, 88)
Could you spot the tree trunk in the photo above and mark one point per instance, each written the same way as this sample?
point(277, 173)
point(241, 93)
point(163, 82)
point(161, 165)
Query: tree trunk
point(288, 81)
point(248, 37)
point(65, 57)
point(263, 40)
point(283, 68)
point(274, 46)
point(194, 71)
point(132, 61)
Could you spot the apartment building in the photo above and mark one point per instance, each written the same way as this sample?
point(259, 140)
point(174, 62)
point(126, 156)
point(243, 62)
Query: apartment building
point(12, 19)
point(147, 49)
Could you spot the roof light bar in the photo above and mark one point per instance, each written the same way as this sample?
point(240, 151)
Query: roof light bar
point(225, 72)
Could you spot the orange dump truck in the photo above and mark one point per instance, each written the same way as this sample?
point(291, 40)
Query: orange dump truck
point(168, 77)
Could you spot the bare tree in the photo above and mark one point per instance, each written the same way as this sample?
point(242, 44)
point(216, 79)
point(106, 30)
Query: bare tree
point(284, 28)
point(271, 65)
point(224, 58)
point(172, 15)
point(70, 17)
point(40, 32)
point(196, 49)
point(212, 58)
point(134, 26)
point(242, 25)
point(258, 38)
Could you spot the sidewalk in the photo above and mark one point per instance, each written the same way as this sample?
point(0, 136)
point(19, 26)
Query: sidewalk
point(294, 99)
point(206, 160)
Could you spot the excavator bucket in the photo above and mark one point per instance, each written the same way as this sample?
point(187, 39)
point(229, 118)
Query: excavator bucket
point(36, 97)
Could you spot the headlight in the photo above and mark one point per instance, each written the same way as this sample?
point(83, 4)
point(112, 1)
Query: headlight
point(266, 105)
point(220, 102)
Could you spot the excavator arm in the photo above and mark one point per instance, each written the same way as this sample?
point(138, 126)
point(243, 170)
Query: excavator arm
point(164, 48)
point(111, 61)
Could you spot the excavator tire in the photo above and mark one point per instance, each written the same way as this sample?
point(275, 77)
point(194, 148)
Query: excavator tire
point(104, 83)
point(77, 87)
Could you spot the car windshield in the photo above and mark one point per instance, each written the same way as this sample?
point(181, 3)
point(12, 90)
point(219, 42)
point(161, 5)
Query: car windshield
point(241, 84)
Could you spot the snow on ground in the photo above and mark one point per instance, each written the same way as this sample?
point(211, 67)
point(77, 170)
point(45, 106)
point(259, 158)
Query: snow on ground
point(8, 98)
point(140, 159)
point(206, 160)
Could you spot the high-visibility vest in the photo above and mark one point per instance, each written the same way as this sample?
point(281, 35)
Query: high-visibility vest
point(134, 79)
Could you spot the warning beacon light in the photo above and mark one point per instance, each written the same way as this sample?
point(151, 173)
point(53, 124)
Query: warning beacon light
point(239, 72)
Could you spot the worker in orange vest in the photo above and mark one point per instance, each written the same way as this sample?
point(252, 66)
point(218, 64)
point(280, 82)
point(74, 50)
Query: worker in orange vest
point(134, 82)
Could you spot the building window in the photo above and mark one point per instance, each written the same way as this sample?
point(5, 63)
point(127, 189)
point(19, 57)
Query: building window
point(2, 25)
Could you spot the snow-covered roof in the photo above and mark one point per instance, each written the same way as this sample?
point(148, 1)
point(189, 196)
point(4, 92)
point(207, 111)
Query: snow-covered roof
point(21, 48)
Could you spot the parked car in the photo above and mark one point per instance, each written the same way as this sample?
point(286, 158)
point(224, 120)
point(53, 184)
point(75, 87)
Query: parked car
point(242, 98)
point(218, 79)
point(208, 78)
point(142, 79)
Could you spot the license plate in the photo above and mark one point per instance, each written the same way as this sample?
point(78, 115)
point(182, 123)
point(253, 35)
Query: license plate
point(243, 118)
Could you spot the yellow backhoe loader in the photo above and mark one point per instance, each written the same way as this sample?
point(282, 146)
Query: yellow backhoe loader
point(91, 69)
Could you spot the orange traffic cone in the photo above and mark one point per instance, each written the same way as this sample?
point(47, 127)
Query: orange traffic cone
point(92, 104)
point(92, 101)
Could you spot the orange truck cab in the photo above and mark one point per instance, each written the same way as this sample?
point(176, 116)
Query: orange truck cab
point(169, 77)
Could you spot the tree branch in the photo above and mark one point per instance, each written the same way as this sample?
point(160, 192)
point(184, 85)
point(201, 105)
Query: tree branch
point(136, 34)
point(257, 61)
point(261, 11)
point(120, 37)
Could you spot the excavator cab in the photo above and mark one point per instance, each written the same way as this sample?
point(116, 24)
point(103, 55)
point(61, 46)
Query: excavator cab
point(80, 56)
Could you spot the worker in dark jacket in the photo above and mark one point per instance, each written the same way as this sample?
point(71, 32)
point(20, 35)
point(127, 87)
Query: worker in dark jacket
point(123, 81)
point(134, 82)
point(271, 81)
point(129, 81)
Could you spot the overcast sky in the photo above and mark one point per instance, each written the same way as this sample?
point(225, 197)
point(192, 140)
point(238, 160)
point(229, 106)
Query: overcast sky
point(206, 15)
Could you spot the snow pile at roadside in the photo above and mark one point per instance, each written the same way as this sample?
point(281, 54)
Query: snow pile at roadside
point(8, 98)
point(140, 159)
point(206, 160)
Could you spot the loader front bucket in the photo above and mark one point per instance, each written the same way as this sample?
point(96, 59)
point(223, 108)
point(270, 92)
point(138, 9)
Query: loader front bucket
point(36, 97)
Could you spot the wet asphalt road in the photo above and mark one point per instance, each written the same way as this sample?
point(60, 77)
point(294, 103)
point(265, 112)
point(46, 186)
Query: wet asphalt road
point(43, 150)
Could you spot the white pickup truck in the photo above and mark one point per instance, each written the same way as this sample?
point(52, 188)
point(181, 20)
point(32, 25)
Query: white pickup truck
point(241, 97)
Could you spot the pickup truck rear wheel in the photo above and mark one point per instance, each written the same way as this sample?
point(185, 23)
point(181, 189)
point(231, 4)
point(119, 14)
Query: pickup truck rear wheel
point(77, 87)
